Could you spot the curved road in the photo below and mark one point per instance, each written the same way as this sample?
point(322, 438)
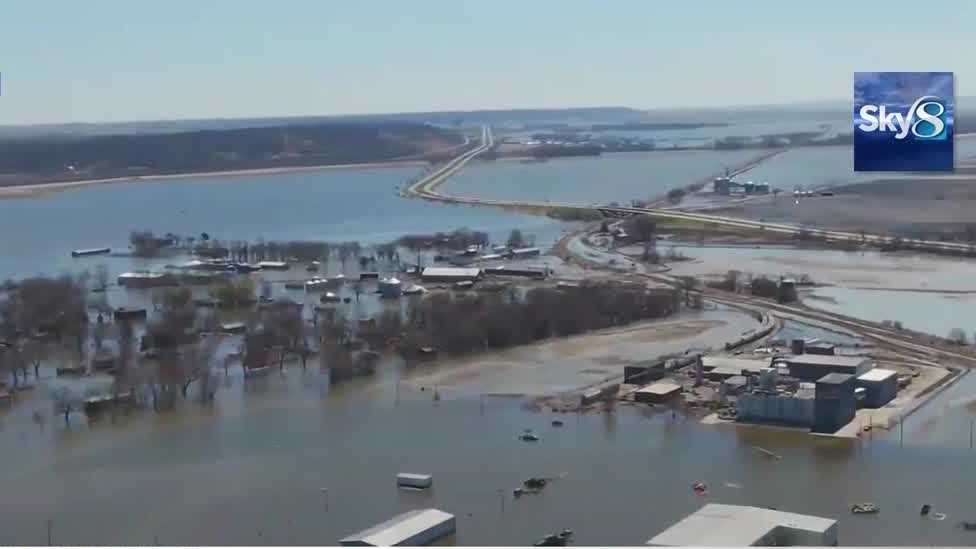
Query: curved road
point(426, 188)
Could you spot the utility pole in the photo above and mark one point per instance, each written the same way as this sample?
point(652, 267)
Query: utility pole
point(50, 525)
point(325, 497)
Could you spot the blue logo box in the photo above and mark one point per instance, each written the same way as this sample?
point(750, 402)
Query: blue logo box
point(903, 121)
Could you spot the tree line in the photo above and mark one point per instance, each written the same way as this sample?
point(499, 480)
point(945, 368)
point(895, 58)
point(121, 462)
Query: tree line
point(217, 150)
point(460, 324)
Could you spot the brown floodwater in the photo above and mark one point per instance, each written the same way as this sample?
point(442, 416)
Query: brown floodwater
point(289, 459)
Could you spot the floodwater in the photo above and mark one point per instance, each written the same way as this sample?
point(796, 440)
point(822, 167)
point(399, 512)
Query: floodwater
point(868, 268)
point(334, 205)
point(863, 284)
point(806, 167)
point(619, 177)
point(289, 460)
point(930, 312)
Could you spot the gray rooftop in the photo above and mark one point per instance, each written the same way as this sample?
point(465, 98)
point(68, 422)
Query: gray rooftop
point(827, 360)
point(739, 364)
point(451, 271)
point(835, 379)
point(877, 374)
point(719, 525)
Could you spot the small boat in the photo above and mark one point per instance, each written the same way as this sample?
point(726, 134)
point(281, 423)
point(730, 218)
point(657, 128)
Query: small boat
point(968, 525)
point(557, 423)
point(534, 482)
point(555, 540)
point(925, 510)
point(528, 437)
point(699, 488)
point(552, 540)
point(519, 492)
point(329, 297)
point(864, 508)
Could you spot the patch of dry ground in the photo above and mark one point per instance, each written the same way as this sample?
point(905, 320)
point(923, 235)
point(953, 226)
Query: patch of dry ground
point(565, 364)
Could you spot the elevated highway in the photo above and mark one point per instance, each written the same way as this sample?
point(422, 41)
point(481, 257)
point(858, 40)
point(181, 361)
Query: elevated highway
point(427, 188)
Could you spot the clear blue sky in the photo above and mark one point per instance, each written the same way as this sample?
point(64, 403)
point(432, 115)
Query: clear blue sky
point(100, 60)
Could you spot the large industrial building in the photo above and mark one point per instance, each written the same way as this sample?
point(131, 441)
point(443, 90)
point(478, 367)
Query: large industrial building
point(834, 403)
point(810, 367)
point(718, 525)
point(413, 528)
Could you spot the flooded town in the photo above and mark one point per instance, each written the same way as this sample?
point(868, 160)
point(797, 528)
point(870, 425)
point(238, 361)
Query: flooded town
point(512, 370)
point(457, 325)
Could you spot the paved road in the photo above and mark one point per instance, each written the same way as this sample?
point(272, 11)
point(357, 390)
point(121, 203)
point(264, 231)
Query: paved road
point(426, 188)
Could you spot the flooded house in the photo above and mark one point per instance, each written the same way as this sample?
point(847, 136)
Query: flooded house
point(145, 279)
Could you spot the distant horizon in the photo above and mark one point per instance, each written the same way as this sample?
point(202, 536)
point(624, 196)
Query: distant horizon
point(815, 104)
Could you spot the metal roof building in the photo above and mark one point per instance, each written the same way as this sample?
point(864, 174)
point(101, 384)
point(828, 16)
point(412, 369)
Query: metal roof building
point(657, 392)
point(719, 525)
point(413, 528)
point(812, 367)
point(722, 367)
point(450, 274)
